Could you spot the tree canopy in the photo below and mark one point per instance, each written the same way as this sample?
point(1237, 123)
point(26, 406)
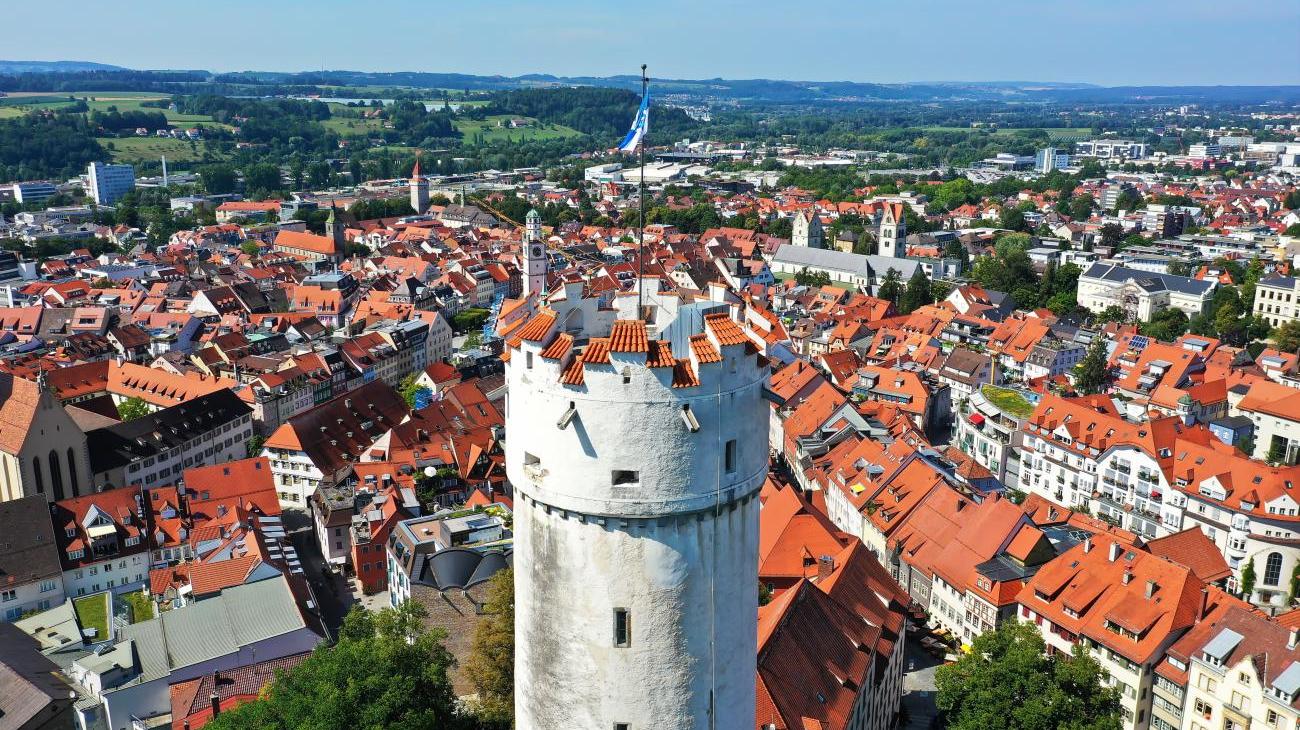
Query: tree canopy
point(491, 663)
point(1008, 682)
point(385, 671)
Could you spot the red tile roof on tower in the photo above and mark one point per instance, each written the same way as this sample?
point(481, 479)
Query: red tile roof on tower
point(628, 335)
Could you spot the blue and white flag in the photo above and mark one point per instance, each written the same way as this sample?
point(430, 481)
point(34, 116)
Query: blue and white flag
point(640, 125)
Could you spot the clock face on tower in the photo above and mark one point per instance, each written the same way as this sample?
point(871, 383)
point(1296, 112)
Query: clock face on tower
point(537, 252)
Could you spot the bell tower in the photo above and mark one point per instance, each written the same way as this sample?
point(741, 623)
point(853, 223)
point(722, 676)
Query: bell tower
point(419, 190)
point(534, 254)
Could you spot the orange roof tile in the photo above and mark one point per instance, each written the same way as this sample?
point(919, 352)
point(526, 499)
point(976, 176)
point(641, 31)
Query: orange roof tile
point(628, 335)
point(661, 355)
point(704, 349)
point(559, 347)
point(725, 329)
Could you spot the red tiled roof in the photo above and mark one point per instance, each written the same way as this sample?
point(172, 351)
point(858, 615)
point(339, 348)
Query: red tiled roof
point(628, 335)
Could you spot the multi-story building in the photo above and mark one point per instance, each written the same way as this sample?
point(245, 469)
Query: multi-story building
point(103, 541)
point(154, 449)
point(987, 427)
point(1050, 158)
point(1141, 293)
point(108, 183)
point(1235, 669)
point(29, 560)
point(1111, 149)
point(1124, 605)
point(416, 546)
point(34, 192)
point(1162, 475)
point(1277, 300)
point(318, 448)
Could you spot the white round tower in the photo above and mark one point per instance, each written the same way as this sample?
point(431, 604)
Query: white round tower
point(636, 465)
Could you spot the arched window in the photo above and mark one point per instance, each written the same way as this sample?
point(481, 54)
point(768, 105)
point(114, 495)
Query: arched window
point(56, 475)
point(1273, 569)
point(36, 469)
point(72, 474)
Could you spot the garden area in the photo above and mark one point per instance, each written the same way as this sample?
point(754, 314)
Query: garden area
point(92, 613)
point(1008, 400)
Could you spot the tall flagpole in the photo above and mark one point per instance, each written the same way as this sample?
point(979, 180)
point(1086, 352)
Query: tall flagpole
point(640, 277)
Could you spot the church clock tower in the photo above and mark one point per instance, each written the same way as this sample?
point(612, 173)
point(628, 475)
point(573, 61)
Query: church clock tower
point(534, 254)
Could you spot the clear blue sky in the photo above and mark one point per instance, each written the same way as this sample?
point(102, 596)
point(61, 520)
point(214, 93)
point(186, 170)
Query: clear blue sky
point(1109, 42)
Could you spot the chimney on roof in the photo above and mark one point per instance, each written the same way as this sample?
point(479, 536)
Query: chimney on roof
point(1151, 588)
point(1293, 639)
point(1128, 577)
point(1087, 544)
point(1115, 550)
point(825, 566)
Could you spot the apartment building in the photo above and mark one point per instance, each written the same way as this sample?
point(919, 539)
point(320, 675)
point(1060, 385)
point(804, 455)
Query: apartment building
point(1162, 475)
point(103, 541)
point(1124, 605)
point(1236, 669)
point(1277, 300)
point(154, 449)
point(29, 563)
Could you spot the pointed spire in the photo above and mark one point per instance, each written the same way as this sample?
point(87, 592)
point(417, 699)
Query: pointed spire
point(415, 171)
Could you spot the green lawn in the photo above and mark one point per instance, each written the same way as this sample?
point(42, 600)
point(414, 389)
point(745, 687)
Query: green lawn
point(92, 613)
point(494, 133)
point(141, 606)
point(138, 149)
point(1008, 400)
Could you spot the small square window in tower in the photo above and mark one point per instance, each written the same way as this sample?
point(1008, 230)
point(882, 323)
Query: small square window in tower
point(624, 477)
point(730, 457)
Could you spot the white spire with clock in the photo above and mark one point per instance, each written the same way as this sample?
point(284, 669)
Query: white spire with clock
point(534, 254)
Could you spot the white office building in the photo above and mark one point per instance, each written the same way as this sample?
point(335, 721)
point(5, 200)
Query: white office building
point(108, 183)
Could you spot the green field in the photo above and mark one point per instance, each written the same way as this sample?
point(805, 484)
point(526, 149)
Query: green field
point(16, 105)
point(494, 133)
point(138, 149)
point(348, 123)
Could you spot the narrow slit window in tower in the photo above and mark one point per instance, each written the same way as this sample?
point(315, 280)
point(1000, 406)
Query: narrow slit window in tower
point(622, 628)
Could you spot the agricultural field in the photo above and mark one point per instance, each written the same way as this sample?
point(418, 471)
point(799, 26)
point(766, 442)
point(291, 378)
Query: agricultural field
point(20, 103)
point(133, 150)
point(492, 130)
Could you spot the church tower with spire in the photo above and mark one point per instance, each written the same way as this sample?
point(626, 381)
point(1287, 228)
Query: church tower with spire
point(334, 227)
point(419, 190)
point(534, 254)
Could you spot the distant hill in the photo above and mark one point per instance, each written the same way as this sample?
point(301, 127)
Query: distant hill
point(25, 67)
point(64, 75)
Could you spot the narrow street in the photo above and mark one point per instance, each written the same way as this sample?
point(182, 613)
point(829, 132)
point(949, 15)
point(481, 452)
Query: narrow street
point(919, 686)
point(332, 590)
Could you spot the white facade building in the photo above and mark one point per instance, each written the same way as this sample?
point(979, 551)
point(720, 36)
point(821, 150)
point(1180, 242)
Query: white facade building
point(108, 183)
point(637, 465)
